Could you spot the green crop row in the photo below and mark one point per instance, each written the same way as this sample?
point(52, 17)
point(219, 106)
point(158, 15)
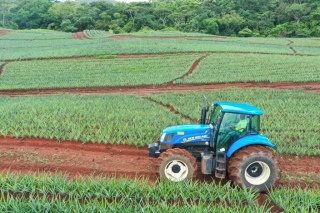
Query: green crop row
point(115, 119)
point(216, 68)
point(95, 34)
point(113, 188)
point(289, 42)
point(291, 118)
point(16, 47)
point(98, 72)
point(58, 193)
point(48, 193)
point(11, 203)
point(220, 68)
point(35, 35)
point(168, 34)
point(293, 42)
point(297, 199)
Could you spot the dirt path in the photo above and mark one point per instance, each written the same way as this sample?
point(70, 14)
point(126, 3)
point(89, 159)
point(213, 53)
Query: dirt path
point(40, 155)
point(191, 70)
point(151, 89)
point(1, 67)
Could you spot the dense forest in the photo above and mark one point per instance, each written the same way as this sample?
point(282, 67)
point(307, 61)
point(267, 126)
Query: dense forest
point(246, 18)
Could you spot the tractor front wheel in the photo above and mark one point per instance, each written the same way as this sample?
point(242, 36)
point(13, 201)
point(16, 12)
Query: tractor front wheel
point(176, 165)
point(254, 166)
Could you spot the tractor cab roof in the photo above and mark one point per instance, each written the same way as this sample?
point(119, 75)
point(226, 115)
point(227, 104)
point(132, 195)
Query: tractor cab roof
point(241, 108)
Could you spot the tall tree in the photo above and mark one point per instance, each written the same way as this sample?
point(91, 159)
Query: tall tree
point(297, 11)
point(32, 14)
point(63, 10)
point(162, 14)
point(138, 10)
point(231, 22)
point(4, 6)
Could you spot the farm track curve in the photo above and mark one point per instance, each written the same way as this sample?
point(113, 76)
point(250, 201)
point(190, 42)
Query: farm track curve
point(35, 155)
point(1, 67)
point(291, 48)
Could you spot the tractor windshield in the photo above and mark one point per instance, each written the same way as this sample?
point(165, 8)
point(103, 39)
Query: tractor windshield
point(215, 114)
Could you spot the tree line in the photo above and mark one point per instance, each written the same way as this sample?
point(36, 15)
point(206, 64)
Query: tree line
point(245, 18)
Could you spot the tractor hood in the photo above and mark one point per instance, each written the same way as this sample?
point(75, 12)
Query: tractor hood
point(185, 133)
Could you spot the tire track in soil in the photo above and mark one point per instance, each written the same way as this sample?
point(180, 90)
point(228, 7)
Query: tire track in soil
point(75, 159)
point(34, 154)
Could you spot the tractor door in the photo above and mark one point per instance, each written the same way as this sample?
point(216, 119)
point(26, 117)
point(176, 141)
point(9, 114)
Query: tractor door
point(232, 127)
point(215, 120)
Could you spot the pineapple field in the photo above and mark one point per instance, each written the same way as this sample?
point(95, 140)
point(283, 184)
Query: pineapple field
point(78, 111)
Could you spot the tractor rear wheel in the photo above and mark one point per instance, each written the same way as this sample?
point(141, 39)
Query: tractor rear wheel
point(254, 166)
point(176, 165)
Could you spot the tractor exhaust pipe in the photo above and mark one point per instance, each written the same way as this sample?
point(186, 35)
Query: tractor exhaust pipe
point(204, 111)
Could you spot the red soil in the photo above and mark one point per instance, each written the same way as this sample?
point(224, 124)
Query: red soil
point(4, 32)
point(40, 155)
point(152, 89)
point(79, 35)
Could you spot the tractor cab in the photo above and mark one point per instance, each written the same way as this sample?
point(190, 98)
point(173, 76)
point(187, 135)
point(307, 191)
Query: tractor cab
point(231, 122)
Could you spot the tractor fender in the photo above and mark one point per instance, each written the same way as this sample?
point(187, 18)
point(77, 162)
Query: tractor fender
point(249, 140)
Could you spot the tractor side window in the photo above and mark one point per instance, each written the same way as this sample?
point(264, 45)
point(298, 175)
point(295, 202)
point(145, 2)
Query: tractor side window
point(255, 126)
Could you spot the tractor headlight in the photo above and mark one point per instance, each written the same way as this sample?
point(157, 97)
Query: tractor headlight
point(162, 137)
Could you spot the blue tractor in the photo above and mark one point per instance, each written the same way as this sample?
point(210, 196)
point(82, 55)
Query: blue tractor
point(227, 143)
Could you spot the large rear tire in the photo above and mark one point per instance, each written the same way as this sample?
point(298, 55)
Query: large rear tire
point(176, 165)
point(254, 166)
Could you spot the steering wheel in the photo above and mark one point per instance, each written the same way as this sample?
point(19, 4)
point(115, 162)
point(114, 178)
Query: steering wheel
point(228, 125)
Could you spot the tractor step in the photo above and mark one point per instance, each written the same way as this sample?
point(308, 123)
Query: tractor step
point(221, 164)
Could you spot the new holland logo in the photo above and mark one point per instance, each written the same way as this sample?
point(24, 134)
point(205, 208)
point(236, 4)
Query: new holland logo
point(194, 138)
